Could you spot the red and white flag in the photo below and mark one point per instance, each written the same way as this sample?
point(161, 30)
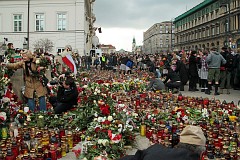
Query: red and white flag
point(68, 60)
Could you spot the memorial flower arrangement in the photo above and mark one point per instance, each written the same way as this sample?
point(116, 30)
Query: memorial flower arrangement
point(42, 64)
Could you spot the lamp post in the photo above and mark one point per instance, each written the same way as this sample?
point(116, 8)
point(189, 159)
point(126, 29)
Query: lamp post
point(171, 35)
point(226, 3)
point(28, 22)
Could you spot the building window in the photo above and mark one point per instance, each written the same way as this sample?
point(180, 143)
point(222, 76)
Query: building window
point(61, 21)
point(17, 22)
point(213, 31)
point(208, 32)
point(39, 22)
point(217, 30)
point(60, 50)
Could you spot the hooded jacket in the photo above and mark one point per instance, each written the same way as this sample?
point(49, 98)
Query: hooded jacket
point(215, 59)
point(159, 152)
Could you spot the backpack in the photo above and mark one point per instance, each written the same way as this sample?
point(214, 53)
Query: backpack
point(129, 63)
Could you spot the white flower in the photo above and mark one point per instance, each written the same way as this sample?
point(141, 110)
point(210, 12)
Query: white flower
point(37, 61)
point(100, 119)
point(95, 114)
point(106, 84)
point(85, 158)
point(40, 116)
point(98, 91)
point(85, 86)
point(110, 118)
point(95, 93)
point(104, 119)
point(179, 114)
point(121, 105)
point(134, 114)
point(124, 110)
point(149, 116)
point(95, 119)
point(28, 118)
point(94, 101)
point(3, 115)
point(100, 141)
point(5, 99)
point(114, 114)
point(105, 142)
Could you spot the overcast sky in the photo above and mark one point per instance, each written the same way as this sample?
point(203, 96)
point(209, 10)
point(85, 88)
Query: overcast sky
point(121, 20)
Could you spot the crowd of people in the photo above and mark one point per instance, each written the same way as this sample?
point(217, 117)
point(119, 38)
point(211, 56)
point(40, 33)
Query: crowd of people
point(209, 69)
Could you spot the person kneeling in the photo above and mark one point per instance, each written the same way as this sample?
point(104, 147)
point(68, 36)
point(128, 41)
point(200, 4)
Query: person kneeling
point(66, 96)
point(155, 83)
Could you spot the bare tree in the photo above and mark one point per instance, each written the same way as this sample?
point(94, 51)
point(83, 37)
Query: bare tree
point(44, 45)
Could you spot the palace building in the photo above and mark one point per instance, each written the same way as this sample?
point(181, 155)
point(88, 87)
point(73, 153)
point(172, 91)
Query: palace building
point(212, 23)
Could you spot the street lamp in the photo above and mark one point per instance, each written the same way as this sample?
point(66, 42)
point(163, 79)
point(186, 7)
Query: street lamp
point(28, 23)
point(226, 3)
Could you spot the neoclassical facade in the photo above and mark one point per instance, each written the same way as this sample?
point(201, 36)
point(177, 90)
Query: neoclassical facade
point(159, 38)
point(212, 23)
point(64, 22)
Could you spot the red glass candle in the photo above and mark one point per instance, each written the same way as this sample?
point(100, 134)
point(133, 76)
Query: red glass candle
point(61, 132)
point(15, 149)
point(9, 155)
point(59, 154)
point(53, 153)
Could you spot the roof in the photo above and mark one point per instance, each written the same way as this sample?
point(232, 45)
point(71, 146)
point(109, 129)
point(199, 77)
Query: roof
point(195, 9)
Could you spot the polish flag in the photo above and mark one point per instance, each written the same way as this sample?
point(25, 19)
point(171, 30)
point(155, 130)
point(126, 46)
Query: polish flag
point(68, 60)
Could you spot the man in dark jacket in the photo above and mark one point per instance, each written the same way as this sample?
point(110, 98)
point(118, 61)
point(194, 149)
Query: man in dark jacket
point(226, 70)
point(172, 80)
point(193, 71)
point(67, 95)
point(191, 147)
point(182, 71)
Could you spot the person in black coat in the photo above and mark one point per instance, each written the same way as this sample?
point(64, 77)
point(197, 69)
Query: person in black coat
point(66, 98)
point(182, 70)
point(193, 71)
point(172, 80)
point(191, 147)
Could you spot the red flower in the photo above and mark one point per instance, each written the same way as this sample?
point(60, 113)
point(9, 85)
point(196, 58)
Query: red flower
point(97, 129)
point(105, 110)
point(100, 81)
point(106, 122)
point(85, 98)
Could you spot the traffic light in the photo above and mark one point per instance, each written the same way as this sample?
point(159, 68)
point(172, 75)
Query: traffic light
point(100, 30)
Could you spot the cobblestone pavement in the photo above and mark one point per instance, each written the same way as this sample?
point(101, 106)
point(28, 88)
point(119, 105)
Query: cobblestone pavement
point(142, 142)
